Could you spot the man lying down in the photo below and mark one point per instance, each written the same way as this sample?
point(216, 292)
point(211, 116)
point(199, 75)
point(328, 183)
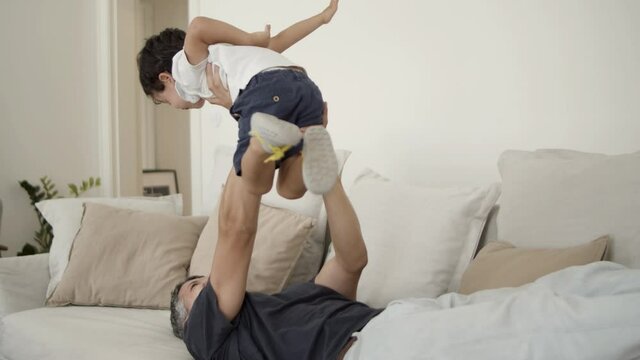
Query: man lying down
point(586, 312)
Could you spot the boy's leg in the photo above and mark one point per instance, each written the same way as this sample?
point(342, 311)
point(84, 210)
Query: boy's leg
point(256, 174)
point(270, 137)
point(291, 96)
point(319, 162)
point(290, 184)
point(316, 169)
point(342, 272)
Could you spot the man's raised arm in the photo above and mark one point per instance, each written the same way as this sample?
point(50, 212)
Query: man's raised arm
point(237, 225)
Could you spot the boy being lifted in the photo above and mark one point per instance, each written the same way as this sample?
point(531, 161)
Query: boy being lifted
point(264, 87)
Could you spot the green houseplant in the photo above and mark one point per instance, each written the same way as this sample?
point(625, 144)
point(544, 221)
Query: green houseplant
point(45, 191)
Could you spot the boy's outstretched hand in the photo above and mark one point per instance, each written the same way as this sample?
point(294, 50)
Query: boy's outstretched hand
point(328, 13)
point(261, 38)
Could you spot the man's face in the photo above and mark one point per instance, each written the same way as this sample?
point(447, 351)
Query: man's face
point(190, 290)
point(170, 96)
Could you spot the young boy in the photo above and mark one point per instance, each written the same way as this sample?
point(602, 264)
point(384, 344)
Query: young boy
point(264, 87)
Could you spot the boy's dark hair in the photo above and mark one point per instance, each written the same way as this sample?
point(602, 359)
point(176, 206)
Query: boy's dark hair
point(155, 58)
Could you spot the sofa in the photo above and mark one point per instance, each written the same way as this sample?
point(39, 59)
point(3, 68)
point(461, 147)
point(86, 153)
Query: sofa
point(554, 216)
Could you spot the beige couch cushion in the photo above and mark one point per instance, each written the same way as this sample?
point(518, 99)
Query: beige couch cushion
point(560, 198)
point(500, 264)
point(127, 258)
point(279, 242)
point(65, 217)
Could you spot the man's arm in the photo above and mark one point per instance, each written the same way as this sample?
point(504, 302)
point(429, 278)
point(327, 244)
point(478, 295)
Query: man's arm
point(204, 31)
point(342, 272)
point(296, 32)
point(237, 226)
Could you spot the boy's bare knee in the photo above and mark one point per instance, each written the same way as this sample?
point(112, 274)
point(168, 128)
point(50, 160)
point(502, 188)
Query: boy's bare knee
point(256, 147)
point(258, 188)
point(289, 189)
point(291, 194)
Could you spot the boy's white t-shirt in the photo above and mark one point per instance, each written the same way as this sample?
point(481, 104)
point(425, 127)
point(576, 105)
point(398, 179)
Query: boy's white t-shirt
point(238, 64)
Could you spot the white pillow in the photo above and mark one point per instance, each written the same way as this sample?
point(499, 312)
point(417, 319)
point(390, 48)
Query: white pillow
point(65, 217)
point(419, 239)
point(561, 198)
point(310, 205)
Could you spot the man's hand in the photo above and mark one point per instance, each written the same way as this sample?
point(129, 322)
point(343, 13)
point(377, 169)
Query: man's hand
point(221, 95)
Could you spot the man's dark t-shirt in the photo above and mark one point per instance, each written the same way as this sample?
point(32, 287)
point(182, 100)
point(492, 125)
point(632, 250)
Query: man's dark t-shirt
point(305, 321)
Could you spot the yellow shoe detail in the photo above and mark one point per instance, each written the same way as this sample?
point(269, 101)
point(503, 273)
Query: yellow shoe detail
point(277, 152)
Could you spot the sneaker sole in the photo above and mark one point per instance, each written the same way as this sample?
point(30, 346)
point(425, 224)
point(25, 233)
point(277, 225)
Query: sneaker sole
point(319, 162)
point(273, 131)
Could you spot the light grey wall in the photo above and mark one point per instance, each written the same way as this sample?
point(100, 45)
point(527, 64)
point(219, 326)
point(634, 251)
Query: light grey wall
point(50, 106)
point(48, 102)
point(431, 92)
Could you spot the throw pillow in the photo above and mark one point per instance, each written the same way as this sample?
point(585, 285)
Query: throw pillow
point(279, 242)
point(127, 258)
point(559, 198)
point(65, 216)
point(500, 264)
point(419, 239)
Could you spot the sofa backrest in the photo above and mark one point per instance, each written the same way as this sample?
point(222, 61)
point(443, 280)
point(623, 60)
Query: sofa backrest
point(490, 232)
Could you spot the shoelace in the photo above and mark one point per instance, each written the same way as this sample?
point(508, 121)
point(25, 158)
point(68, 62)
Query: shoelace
point(277, 152)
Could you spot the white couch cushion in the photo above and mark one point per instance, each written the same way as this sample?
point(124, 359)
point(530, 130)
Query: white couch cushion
point(23, 282)
point(561, 198)
point(90, 333)
point(419, 239)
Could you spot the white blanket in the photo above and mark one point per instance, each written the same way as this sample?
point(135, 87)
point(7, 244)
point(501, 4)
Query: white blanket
point(583, 312)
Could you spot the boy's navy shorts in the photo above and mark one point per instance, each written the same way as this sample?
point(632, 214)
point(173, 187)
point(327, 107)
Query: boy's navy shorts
point(285, 93)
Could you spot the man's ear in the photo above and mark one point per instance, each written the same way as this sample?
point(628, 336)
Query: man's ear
point(165, 77)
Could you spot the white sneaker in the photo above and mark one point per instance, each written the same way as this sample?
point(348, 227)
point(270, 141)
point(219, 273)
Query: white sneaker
point(319, 162)
point(275, 135)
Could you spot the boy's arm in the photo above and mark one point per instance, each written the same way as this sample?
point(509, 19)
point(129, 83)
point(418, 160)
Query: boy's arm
point(296, 32)
point(204, 31)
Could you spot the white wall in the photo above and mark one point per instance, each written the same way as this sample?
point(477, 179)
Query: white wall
point(48, 102)
point(431, 92)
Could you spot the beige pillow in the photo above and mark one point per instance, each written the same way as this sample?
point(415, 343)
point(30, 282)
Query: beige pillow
point(279, 242)
point(500, 264)
point(127, 258)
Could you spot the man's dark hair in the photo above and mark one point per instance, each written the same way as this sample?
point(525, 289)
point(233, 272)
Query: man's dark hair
point(155, 58)
point(179, 313)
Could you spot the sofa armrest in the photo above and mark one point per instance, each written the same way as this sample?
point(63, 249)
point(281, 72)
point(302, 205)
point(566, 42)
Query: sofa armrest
point(23, 283)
